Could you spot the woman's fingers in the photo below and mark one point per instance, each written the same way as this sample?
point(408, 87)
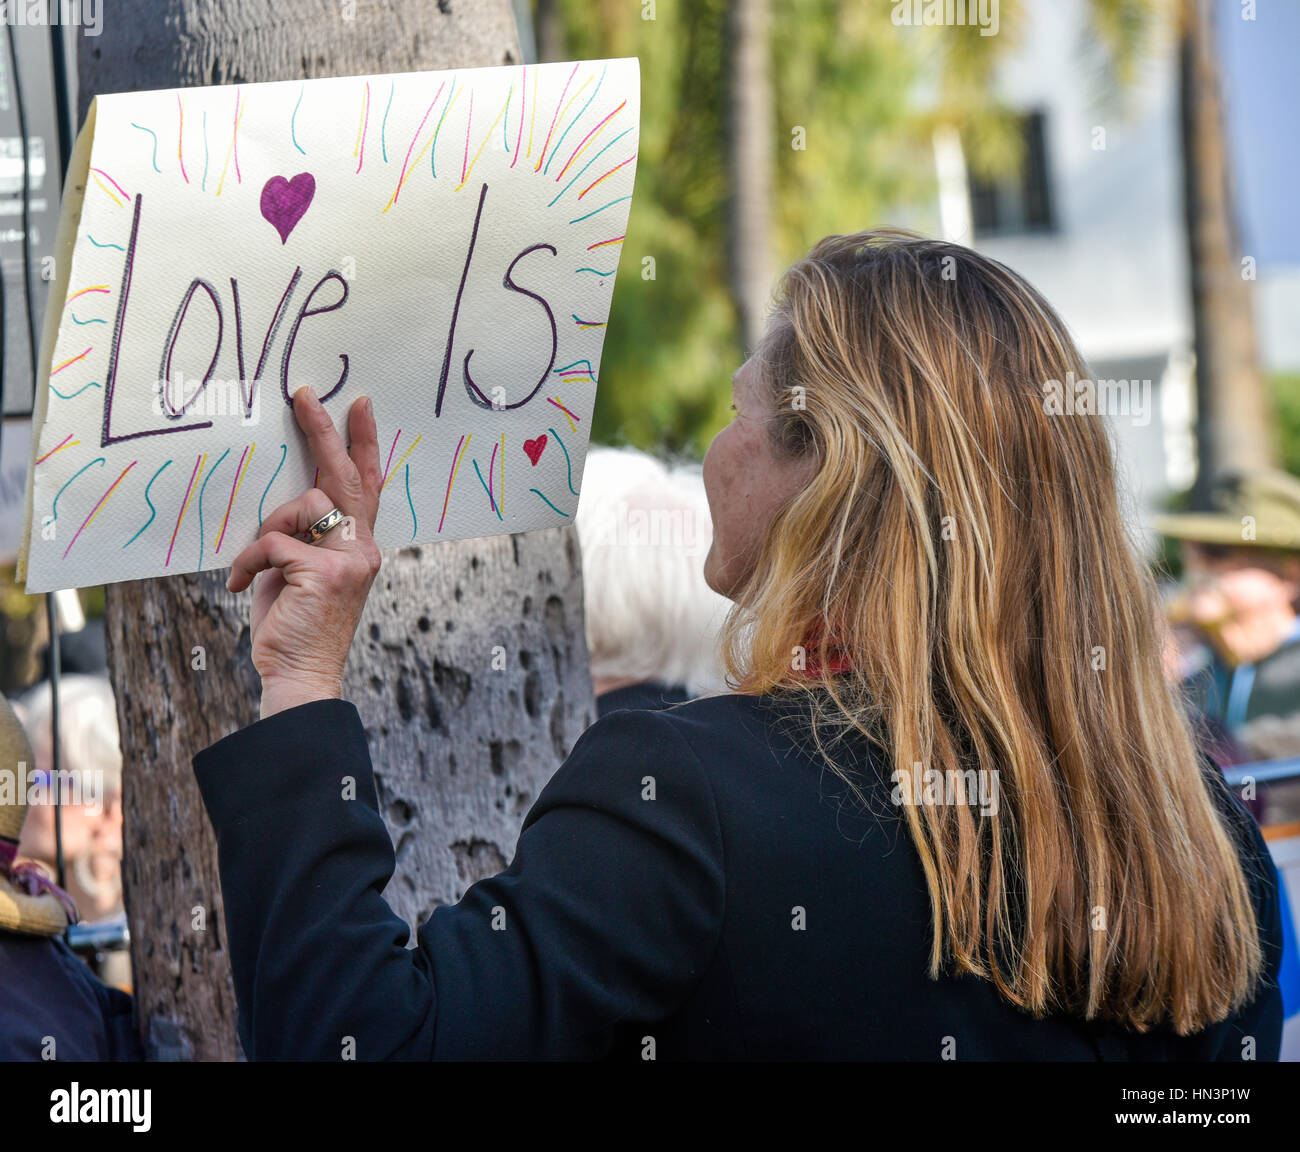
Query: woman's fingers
point(363, 447)
point(339, 478)
point(273, 550)
point(297, 515)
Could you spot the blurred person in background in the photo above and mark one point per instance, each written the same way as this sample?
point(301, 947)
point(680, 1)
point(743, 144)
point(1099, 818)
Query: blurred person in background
point(91, 809)
point(1241, 565)
point(52, 1007)
point(652, 621)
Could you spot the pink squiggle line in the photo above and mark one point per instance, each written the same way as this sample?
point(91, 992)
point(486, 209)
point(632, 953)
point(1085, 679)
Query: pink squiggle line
point(465, 162)
point(365, 127)
point(555, 117)
point(113, 182)
point(99, 505)
point(180, 138)
point(562, 408)
point(405, 163)
point(450, 477)
point(234, 139)
point(523, 107)
point(393, 449)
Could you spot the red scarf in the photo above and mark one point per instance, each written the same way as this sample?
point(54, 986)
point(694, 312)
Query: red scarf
point(840, 659)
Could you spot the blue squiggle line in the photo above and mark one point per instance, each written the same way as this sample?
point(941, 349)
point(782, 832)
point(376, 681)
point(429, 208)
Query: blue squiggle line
point(487, 490)
point(293, 120)
point(152, 510)
point(598, 273)
point(589, 163)
point(567, 460)
point(76, 321)
point(415, 523)
point(562, 513)
point(155, 143)
point(97, 244)
point(284, 452)
point(383, 128)
point(602, 208)
point(54, 508)
point(78, 392)
point(203, 488)
point(578, 117)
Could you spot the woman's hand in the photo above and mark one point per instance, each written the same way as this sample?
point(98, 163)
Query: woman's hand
point(309, 598)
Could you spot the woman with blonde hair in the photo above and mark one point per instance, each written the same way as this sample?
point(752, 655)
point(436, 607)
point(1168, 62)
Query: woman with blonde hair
point(951, 809)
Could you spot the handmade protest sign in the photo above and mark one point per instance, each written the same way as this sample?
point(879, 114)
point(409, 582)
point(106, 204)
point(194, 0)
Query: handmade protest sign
point(443, 242)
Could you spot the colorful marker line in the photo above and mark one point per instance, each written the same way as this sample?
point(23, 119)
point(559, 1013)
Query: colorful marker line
point(563, 114)
point(402, 461)
point(96, 288)
point(560, 142)
point(72, 360)
point(562, 408)
point(585, 324)
point(233, 150)
point(113, 182)
point(451, 478)
point(579, 174)
point(154, 136)
point(587, 140)
point(562, 513)
point(486, 489)
point(153, 512)
point(180, 136)
point(244, 461)
point(293, 122)
point(198, 464)
point(406, 164)
point(567, 459)
point(560, 101)
point(573, 366)
point(95, 511)
point(59, 446)
point(362, 129)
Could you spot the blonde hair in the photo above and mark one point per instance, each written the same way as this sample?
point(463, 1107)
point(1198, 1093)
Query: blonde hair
point(966, 550)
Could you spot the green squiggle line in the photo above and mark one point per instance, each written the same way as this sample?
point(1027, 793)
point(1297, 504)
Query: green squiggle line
point(284, 452)
point(54, 509)
point(293, 120)
point(97, 244)
point(76, 321)
point(152, 510)
point(155, 143)
point(203, 488)
point(415, 523)
point(567, 460)
point(78, 392)
point(562, 513)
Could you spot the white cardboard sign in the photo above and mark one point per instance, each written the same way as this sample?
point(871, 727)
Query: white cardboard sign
point(444, 242)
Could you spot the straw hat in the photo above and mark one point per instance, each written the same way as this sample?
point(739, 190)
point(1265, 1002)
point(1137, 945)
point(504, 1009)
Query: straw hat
point(29, 902)
point(1251, 510)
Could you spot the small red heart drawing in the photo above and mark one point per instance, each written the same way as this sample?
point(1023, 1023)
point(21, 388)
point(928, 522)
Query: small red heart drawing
point(533, 448)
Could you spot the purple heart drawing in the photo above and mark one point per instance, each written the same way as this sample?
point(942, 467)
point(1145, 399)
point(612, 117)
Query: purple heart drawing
point(285, 201)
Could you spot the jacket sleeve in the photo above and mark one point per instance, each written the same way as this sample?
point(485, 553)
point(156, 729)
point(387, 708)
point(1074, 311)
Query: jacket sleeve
point(609, 911)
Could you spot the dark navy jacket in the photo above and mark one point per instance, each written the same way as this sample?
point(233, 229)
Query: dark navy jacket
point(688, 885)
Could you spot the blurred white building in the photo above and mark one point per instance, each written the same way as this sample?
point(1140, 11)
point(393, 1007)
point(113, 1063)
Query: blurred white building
point(1095, 218)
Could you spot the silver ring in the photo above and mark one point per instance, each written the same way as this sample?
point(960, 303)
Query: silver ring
point(332, 519)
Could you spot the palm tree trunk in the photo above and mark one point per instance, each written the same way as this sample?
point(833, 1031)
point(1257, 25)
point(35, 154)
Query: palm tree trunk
point(750, 166)
point(470, 665)
point(1232, 420)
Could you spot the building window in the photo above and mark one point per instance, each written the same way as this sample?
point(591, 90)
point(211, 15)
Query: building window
point(1020, 201)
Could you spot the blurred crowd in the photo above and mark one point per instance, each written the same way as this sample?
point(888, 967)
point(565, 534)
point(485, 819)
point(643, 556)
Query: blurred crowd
point(1233, 647)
